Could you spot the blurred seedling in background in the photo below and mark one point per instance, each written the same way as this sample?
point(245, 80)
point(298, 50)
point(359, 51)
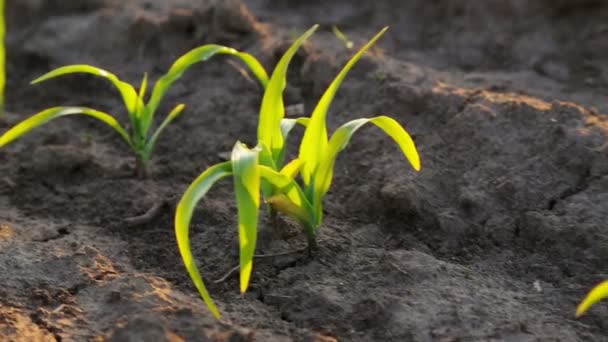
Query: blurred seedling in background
point(141, 138)
point(595, 295)
point(347, 42)
point(262, 169)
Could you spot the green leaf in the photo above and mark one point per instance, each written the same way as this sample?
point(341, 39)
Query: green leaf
point(192, 57)
point(183, 215)
point(286, 126)
point(315, 138)
point(272, 110)
point(287, 186)
point(347, 42)
point(247, 188)
point(129, 95)
point(47, 115)
point(339, 141)
point(292, 168)
point(595, 295)
point(172, 116)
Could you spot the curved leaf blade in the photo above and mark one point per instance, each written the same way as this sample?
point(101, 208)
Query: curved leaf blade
point(183, 215)
point(315, 138)
point(288, 124)
point(246, 177)
point(272, 110)
point(128, 93)
point(595, 295)
point(341, 138)
point(47, 115)
point(182, 64)
point(172, 116)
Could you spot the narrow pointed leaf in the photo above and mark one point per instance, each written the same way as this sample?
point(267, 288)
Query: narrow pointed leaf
point(315, 138)
point(272, 110)
point(247, 188)
point(47, 115)
point(172, 116)
point(183, 215)
point(292, 169)
point(597, 293)
point(192, 57)
point(128, 93)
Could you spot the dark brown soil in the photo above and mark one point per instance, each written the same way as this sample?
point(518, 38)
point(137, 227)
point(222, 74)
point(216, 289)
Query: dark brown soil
point(496, 239)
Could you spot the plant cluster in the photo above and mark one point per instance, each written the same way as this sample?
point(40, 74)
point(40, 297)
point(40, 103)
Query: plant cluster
point(295, 188)
point(140, 137)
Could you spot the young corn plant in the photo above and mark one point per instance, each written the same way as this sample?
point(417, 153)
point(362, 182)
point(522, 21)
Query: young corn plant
point(595, 295)
point(141, 137)
point(248, 183)
point(261, 169)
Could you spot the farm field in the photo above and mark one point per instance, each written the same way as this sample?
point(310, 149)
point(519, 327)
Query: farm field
point(497, 238)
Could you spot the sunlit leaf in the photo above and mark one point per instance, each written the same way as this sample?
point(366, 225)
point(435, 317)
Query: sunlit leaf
point(47, 115)
point(128, 93)
point(272, 110)
point(597, 293)
point(292, 168)
point(183, 215)
point(341, 138)
point(287, 186)
point(315, 137)
point(247, 188)
point(192, 57)
point(172, 116)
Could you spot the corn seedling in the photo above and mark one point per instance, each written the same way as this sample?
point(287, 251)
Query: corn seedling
point(262, 169)
point(141, 138)
point(595, 295)
point(244, 169)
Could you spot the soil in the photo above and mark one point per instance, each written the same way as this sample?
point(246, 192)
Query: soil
point(496, 239)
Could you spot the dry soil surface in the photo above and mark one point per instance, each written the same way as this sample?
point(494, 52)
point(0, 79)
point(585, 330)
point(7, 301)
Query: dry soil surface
point(496, 239)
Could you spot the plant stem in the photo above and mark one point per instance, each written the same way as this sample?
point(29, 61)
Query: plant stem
point(312, 244)
point(141, 168)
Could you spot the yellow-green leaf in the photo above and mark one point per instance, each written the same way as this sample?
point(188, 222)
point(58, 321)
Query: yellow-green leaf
point(183, 215)
point(595, 295)
point(288, 187)
point(47, 115)
point(192, 57)
point(286, 126)
point(340, 139)
point(315, 138)
point(247, 188)
point(128, 93)
point(292, 168)
point(283, 204)
point(272, 110)
point(172, 116)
